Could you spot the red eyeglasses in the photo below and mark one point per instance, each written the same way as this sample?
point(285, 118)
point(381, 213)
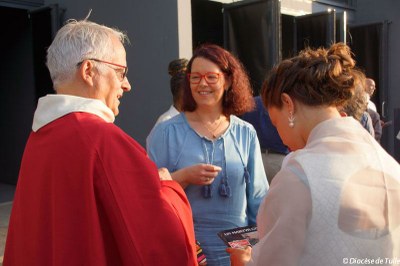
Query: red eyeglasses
point(209, 77)
point(120, 74)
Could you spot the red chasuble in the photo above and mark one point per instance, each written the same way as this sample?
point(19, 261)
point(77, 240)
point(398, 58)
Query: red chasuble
point(88, 195)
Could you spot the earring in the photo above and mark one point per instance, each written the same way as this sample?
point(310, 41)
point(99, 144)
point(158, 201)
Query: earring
point(291, 120)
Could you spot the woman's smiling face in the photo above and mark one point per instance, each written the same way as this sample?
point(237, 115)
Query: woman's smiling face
point(205, 94)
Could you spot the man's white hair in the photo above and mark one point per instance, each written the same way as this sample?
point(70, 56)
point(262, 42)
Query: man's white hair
point(77, 41)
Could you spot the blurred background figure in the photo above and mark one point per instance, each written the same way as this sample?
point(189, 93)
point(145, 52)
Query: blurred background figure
point(370, 90)
point(177, 71)
point(273, 150)
point(371, 109)
point(356, 106)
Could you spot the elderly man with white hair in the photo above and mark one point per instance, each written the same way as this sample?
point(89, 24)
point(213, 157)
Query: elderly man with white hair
point(87, 193)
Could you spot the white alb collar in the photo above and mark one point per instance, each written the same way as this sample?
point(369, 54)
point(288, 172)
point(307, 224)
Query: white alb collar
point(54, 106)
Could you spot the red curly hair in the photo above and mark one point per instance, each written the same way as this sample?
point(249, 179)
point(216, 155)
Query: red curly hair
point(238, 99)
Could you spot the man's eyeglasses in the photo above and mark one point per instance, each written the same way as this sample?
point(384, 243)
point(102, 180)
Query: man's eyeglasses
point(121, 73)
point(210, 77)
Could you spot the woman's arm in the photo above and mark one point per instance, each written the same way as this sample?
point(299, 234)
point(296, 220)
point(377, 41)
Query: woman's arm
point(282, 222)
point(258, 186)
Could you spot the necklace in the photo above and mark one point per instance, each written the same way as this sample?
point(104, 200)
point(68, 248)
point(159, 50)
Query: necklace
point(211, 131)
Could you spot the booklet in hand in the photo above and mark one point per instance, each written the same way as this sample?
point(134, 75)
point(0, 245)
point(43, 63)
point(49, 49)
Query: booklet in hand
point(240, 237)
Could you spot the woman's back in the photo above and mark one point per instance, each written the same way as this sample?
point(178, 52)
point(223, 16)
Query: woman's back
point(336, 200)
point(355, 194)
point(355, 188)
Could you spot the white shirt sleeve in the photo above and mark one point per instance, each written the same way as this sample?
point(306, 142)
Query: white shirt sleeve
point(282, 222)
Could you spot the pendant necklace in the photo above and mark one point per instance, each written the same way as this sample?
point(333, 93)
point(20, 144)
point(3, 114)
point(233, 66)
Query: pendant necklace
point(211, 131)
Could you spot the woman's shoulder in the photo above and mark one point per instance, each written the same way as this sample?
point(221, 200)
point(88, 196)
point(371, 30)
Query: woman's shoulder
point(175, 128)
point(238, 124)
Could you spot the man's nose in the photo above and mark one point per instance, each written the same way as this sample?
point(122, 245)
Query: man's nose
point(126, 86)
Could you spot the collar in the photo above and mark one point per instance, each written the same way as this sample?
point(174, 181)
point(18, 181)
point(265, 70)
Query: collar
point(173, 110)
point(54, 106)
point(338, 127)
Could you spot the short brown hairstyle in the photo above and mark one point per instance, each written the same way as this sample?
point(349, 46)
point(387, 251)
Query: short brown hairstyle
point(238, 99)
point(177, 71)
point(314, 77)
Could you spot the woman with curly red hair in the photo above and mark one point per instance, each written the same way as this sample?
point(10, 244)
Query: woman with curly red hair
point(212, 153)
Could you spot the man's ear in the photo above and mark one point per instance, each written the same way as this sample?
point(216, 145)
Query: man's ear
point(288, 102)
point(86, 72)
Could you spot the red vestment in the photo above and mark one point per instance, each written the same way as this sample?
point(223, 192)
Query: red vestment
point(88, 195)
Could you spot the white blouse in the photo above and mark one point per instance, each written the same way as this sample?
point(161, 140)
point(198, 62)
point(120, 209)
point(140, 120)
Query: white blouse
point(335, 202)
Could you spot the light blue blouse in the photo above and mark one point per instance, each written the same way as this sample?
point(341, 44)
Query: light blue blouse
point(174, 144)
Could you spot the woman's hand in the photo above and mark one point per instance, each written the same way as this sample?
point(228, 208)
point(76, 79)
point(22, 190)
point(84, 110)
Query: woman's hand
point(198, 174)
point(239, 257)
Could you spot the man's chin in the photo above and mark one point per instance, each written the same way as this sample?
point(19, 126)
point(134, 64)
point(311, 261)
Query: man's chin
point(115, 110)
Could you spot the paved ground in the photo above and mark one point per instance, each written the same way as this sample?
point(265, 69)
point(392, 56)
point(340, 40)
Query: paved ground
point(6, 197)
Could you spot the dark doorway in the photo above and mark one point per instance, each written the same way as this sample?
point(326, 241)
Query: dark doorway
point(288, 29)
point(252, 33)
point(207, 23)
point(42, 35)
point(369, 45)
point(365, 42)
point(260, 36)
point(23, 78)
point(315, 30)
point(16, 89)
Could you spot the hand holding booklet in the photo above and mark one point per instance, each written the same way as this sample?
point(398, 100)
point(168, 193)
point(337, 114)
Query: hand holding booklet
point(240, 237)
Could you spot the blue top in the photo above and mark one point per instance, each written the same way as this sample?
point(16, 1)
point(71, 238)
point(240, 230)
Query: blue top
point(266, 131)
point(366, 122)
point(174, 144)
